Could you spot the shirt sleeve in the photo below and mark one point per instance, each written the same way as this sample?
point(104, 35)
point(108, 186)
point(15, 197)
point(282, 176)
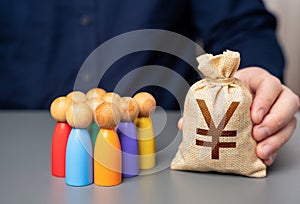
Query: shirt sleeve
point(244, 26)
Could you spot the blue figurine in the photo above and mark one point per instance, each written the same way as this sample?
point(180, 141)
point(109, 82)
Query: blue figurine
point(79, 152)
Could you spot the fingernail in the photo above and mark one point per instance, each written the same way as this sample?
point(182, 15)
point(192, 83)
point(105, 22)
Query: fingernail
point(260, 114)
point(267, 149)
point(271, 159)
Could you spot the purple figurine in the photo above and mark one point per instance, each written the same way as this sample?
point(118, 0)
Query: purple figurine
point(128, 137)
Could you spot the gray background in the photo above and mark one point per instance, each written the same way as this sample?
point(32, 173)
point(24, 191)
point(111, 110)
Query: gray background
point(25, 175)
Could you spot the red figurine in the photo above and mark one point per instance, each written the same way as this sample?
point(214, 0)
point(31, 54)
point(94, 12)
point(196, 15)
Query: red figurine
point(60, 135)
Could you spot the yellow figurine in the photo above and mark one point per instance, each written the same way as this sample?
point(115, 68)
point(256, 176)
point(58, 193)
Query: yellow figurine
point(146, 136)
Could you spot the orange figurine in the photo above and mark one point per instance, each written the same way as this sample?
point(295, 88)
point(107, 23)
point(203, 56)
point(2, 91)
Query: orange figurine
point(146, 136)
point(60, 135)
point(95, 93)
point(107, 152)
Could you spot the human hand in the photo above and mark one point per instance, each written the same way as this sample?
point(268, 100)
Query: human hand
point(272, 111)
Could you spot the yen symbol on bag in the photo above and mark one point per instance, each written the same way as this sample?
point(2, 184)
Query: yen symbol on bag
point(216, 132)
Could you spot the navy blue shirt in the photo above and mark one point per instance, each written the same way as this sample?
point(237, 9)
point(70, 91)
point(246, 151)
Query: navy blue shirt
point(43, 43)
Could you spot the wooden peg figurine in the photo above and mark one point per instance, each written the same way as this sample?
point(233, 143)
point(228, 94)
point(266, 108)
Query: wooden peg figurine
point(77, 96)
point(146, 136)
point(95, 93)
point(93, 128)
point(112, 98)
point(79, 153)
point(107, 152)
point(126, 130)
point(60, 135)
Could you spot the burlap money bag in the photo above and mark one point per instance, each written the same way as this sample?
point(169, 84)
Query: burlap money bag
point(216, 122)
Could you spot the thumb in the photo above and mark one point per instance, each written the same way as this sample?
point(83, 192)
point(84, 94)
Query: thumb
point(179, 124)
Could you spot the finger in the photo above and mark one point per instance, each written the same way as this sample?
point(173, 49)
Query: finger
point(269, 146)
point(179, 124)
point(270, 160)
point(278, 116)
point(267, 89)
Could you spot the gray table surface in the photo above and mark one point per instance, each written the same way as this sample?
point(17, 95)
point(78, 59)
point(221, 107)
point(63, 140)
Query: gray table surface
point(25, 176)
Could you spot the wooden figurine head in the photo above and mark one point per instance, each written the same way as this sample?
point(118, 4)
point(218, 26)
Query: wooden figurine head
point(79, 115)
point(77, 96)
point(96, 93)
point(94, 103)
point(59, 107)
point(107, 115)
point(112, 98)
point(146, 103)
point(129, 109)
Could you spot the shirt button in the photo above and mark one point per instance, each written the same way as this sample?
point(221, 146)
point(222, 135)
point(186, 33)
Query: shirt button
point(85, 20)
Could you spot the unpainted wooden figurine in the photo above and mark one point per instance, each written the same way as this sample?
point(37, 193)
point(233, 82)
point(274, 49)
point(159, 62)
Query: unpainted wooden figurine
point(77, 96)
point(126, 130)
point(60, 135)
point(112, 98)
point(95, 93)
point(146, 136)
point(79, 153)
